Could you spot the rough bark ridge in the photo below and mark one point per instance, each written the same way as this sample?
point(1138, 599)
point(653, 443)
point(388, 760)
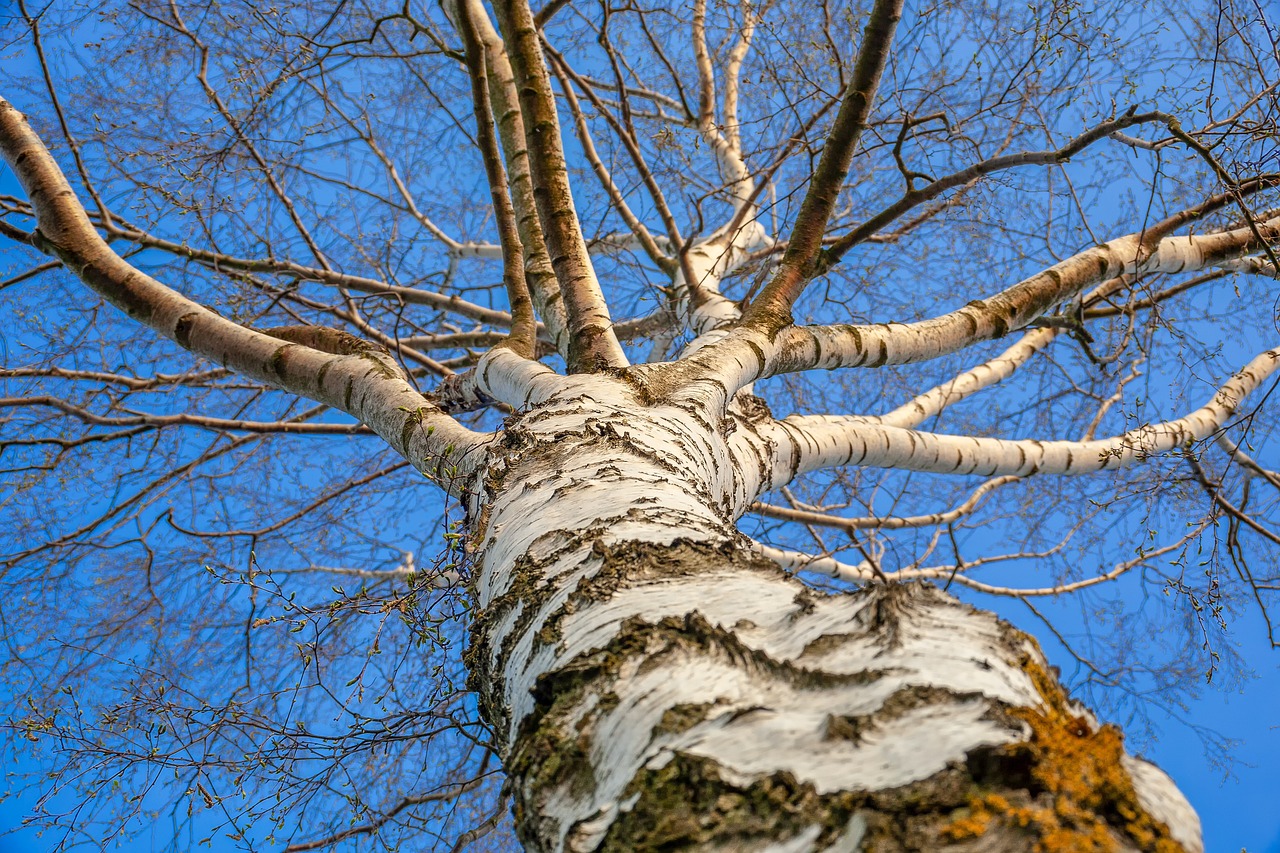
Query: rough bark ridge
point(658, 686)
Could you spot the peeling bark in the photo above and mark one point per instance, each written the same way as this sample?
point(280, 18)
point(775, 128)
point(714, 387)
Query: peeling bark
point(654, 684)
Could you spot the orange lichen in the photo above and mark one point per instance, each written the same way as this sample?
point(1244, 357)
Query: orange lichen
point(1083, 800)
point(973, 825)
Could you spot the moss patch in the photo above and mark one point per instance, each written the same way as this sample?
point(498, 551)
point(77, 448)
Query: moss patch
point(686, 805)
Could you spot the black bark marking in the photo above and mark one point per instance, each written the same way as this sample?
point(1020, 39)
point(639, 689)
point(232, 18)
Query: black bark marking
point(855, 727)
point(277, 364)
point(857, 340)
point(882, 353)
point(323, 371)
point(182, 329)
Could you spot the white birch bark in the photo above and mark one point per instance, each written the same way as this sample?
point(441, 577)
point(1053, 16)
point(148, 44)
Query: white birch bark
point(802, 443)
point(748, 354)
point(654, 684)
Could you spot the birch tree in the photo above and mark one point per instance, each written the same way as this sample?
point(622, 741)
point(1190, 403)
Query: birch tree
point(605, 423)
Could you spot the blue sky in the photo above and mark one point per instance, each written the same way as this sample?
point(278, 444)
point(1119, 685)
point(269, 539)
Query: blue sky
point(1239, 812)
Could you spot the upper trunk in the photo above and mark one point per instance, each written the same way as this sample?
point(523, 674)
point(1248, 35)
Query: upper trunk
point(657, 685)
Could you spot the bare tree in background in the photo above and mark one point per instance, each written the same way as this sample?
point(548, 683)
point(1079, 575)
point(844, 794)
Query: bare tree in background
point(415, 415)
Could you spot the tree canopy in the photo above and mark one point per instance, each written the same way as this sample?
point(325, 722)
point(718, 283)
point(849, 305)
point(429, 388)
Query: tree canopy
point(1003, 275)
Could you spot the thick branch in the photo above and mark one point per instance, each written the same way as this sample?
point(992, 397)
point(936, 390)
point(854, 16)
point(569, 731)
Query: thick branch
point(772, 309)
point(539, 274)
point(358, 379)
point(1014, 308)
point(592, 342)
point(522, 338)
point(924, 406)
point(747, 355)
point(801, 444)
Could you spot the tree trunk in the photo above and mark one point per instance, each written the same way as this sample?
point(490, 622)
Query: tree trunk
point(655, 684)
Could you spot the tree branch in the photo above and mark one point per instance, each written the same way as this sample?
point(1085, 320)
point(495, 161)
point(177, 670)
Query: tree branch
point(771, 311)
point(360, 379)
point(291, 427)
point(522, 338)
point(885, 522)
point(538, 270)
point(592, 342)
point(913, 198)
point(802, 444)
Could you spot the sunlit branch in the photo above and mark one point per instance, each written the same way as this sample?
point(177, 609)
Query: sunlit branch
point(807, 347)
point(733, 75)
point(701, 266)
point(798, 561)
point(706, 310)
point(592, 343)
point(65, 444)
point(801, 444)
point(991, 372)
point(771, 310)
point(503, 376)
point(1253, 266)
point(539, 272)
point(924, 406)
point(522, 338)
point(726, 140)
point(349, 374)
point(746, 355)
